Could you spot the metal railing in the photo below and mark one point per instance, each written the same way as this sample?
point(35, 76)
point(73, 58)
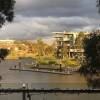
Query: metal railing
point(26, 93)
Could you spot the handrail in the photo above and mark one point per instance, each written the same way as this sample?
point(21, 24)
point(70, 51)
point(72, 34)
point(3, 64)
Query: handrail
point(50, 91)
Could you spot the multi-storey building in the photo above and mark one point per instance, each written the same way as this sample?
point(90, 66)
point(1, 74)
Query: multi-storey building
point(65, 44)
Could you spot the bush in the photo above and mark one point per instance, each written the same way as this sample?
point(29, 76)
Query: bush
point(70, 62)
point(3, 53)
point(46, 60)
point(52, 62)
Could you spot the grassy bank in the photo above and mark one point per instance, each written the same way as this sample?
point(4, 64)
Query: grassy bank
point(52, 60)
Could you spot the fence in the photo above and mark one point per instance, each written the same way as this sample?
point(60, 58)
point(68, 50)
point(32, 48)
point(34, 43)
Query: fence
point(26, 94)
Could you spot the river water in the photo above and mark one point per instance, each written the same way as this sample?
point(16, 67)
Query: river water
point(15, 79)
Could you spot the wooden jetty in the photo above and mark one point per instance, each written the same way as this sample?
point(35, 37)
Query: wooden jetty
point(43, 71)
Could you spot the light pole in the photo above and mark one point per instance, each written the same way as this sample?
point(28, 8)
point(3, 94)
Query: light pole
point(24, 93)
point(25, 86)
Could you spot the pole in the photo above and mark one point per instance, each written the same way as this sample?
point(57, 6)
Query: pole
point(23, 92)
point(29, 96)
point(24, 95)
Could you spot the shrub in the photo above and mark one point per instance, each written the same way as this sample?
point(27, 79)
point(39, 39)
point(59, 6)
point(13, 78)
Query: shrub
point(70, 62)
point(46, 60)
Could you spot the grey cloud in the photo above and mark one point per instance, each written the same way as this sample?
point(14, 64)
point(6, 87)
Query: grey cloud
point(58, 8)
point(35, 27)
point(39, 18)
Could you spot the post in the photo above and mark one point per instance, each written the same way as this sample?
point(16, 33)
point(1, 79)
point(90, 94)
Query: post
point(60, 65)
point(19, 64)
point(24, 93)
point(60, 68)
point(29, 96)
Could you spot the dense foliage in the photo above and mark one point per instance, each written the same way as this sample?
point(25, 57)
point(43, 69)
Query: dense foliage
point(79, 40)
point(3, 53)
point(92, 53)
point(6, 11)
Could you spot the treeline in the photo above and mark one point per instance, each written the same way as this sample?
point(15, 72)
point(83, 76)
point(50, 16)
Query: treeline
point(38, 48)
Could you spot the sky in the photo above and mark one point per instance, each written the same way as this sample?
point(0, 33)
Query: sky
point(39, 18)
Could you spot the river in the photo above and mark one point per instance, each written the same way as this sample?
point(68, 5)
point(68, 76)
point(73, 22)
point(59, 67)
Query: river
point(15, 79)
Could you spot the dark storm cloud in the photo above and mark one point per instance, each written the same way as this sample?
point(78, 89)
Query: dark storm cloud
point(35, 27)
point(56, 7)
point(39, 18)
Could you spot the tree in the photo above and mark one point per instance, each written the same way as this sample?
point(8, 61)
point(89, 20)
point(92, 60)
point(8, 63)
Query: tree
point(92, 52)
point(91, 67)
point(6, 14)
point(79, 40)
point(40, 47)
point(6, 11)
point(3, 53)
point(49, 50)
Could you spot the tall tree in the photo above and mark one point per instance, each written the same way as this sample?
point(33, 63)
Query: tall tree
point(92, 51)
point(6, 11)
point(41, 46)
point(91, 66)
point(49, 50)
point(79, 40)
point(6, 14)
